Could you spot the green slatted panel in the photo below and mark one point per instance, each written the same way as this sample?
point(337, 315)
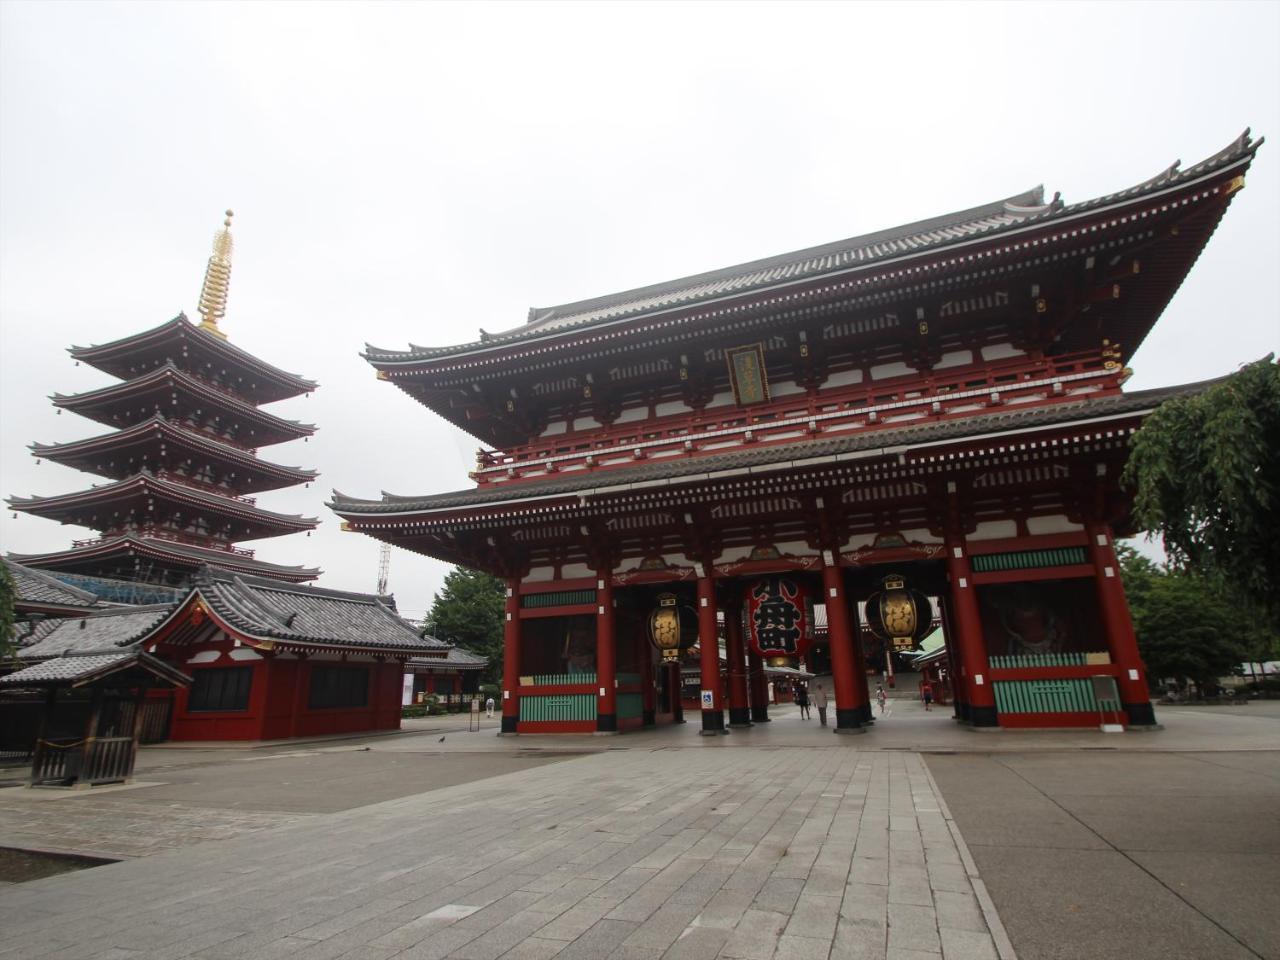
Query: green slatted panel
point(556, 679)
point(626, 679)
point(1028, 559)
point(557, 598)
point(1045, 696)
point(630, 705)
point(574, 706)
point(1028, 660)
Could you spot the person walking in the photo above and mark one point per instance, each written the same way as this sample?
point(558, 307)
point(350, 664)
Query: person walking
point(820, 701)
point(926, 693)
point(488, 708)
point(881, 696)
point(802, 700)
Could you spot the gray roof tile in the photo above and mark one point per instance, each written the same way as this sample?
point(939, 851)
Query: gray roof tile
point(37, 587)
point(115, 628)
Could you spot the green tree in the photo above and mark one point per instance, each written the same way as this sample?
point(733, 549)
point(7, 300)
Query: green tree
point(8, 645)
point(468, 611)
point(1205, 471)
point(1188, 629)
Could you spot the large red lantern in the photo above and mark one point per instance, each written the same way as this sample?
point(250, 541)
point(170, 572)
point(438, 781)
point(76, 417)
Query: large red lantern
point(779, 618)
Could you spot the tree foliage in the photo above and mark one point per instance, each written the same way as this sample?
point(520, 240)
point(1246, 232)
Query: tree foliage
point(1206, 475)
point(468, 611)
point(1188, 629)
point(8, 644)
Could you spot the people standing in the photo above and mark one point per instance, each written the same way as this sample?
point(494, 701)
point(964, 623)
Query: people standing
point(802, 700)
point(488, 708)
point(881, 696)
point(926, 693)
point(820, 701)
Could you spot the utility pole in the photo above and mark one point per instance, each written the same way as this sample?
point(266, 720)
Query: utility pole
point(384, 564)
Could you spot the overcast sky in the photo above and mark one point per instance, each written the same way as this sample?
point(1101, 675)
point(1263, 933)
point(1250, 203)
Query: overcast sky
point(406, 172)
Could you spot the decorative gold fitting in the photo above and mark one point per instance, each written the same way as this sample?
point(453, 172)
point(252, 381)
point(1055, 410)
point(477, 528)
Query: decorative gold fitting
point(1041, 305)
point(804, 350)
point(345, 526)
point(382, 375)
point(924, 327)
point(1115, 291)
point(511, 406)
point(1137, 267)
point(1232, 185)
point(1125, 373)
point(1110, 365)
point(586, 392)
point(684, 373)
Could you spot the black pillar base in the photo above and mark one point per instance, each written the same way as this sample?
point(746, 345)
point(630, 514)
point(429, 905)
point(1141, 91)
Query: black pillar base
point(868, 716)
point(606, 723)
point(1140, 714)
point(983, 716)
point(509, 724)
point(739, 717)
point(849, 721)
point(760, 714)
point(712, 723)
point(648, 718)
point(962, 712)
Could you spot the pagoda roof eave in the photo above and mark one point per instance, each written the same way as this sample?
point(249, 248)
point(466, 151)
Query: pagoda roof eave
point(77, 402)
point(116, 439)
point(886, 441)
point(144, 483)
point(178, 555)
point(872, 252)
point(100, 354)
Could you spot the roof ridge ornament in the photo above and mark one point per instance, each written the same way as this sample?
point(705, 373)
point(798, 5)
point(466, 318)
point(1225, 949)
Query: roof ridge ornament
point(217, 279)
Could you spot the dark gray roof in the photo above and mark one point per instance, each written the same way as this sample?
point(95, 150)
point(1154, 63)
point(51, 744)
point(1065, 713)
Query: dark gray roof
point(37, 587)
point(781, 456)
point(927, 235)
point(178, 554)
point(458, 659)
point(313, 616)
point(102, 631)
point(81, 667)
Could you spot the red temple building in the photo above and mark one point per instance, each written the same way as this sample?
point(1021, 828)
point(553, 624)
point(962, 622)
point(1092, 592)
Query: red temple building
point(931, 411)
point(181, 459)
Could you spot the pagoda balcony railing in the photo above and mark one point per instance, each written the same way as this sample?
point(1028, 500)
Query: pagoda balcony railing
point(172, 537)
point(186, 480)
point(947, 394)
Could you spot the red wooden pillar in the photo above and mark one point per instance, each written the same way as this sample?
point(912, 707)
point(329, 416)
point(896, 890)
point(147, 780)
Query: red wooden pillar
point(849, 706)
point(511, 659)
point(606, 659)
point(975, 673)
point(735, 653)
point(712, 695)
point(301, 694)
point(1113, 609)
point(759, 688)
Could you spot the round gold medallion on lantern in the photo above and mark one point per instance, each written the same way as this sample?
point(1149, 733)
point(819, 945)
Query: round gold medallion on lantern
point(898, 614)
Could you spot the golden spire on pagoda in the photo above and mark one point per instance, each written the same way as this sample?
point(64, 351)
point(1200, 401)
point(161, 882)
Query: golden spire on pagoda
point(217, 278)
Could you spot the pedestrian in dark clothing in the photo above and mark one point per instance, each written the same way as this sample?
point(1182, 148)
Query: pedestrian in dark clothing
point(802, 700)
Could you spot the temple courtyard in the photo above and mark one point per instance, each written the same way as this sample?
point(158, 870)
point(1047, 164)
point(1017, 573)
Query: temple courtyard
point(917, 839)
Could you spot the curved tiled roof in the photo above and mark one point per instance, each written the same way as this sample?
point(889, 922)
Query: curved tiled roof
point(78, 668)
point(179, 554)
point(1002, 216)
point(310, 616)
point(773, 457)
point(103, 631)
point(32, 586)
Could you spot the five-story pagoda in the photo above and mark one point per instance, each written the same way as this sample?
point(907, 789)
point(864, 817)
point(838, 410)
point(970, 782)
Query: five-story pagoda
point(181, 461)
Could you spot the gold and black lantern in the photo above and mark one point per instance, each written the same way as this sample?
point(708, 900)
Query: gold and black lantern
point(897, 614)
point(672, 627)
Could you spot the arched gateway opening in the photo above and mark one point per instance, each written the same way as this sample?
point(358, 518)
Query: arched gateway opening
point(942, 401)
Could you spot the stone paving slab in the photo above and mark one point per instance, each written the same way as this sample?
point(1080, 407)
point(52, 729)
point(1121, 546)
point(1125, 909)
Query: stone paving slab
point(827, 852)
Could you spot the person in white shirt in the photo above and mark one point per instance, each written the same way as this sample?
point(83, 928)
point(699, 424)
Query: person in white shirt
point(820, 701)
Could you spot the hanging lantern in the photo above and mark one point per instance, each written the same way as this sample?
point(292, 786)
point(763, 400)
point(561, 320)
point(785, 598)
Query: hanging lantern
point(673, 627)
point(779, 619)
point(898, 614)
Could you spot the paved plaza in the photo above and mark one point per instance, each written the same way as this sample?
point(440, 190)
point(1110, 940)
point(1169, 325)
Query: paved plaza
point(918, 839)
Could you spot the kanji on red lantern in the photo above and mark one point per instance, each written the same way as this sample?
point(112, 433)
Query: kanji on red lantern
point(779, 617)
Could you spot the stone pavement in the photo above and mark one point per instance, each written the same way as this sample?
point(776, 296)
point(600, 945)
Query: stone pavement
point(827, 852)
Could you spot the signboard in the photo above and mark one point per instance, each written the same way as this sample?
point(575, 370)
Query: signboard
point(779, 616)
point(747, 374)
point(708, 699)
point(406, 693)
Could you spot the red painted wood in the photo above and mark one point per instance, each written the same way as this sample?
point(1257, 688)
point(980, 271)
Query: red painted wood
point(1056, 673)
point(606, 649)
point(574, 610)
point(968, 623)
point(840, 641)
point(709, 643)
point(1074, 571)
point(556, 726)
point(1131, 675)
point(559, 689)
point(511, 654)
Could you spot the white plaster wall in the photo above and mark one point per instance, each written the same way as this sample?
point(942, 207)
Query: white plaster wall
point(1054, 524)
point(994, 530)
point(999, 351)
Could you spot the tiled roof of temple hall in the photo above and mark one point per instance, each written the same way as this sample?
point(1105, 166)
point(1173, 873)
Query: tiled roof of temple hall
point(992, 219)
